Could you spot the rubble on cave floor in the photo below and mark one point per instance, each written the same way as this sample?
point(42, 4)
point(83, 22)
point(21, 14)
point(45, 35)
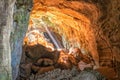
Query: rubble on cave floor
point(38, 63)
point(73, 74)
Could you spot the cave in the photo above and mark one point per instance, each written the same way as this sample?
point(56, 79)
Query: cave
point(52, 39)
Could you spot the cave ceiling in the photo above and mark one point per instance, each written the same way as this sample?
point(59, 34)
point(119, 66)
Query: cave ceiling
point(73, 21)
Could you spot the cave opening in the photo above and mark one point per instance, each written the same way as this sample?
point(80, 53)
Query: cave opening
point(64, 32)
point(58, 38)
point(72, 37)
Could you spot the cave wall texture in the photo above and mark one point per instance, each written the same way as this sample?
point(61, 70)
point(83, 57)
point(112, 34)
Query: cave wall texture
point(108, 38)
point(6, 14)
point(21, 18)
point(14, 17)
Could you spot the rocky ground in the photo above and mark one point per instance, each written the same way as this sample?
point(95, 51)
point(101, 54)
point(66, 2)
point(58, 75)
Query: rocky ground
point(39, 63)
point(73, 74)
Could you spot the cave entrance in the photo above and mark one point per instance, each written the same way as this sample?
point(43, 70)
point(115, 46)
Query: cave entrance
point(73, 22)
point(52, 29)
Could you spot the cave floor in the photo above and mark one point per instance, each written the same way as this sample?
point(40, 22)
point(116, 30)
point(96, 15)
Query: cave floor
point(107, 72)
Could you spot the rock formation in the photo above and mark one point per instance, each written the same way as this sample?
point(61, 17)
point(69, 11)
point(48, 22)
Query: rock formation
point(91, 25)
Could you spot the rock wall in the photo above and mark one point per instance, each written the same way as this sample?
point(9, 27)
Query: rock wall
point(108, 38)
point(22, 9)
point(6, 20)
point(14, 17)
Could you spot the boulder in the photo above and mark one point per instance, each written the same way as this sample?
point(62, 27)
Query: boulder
point(38, 51)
